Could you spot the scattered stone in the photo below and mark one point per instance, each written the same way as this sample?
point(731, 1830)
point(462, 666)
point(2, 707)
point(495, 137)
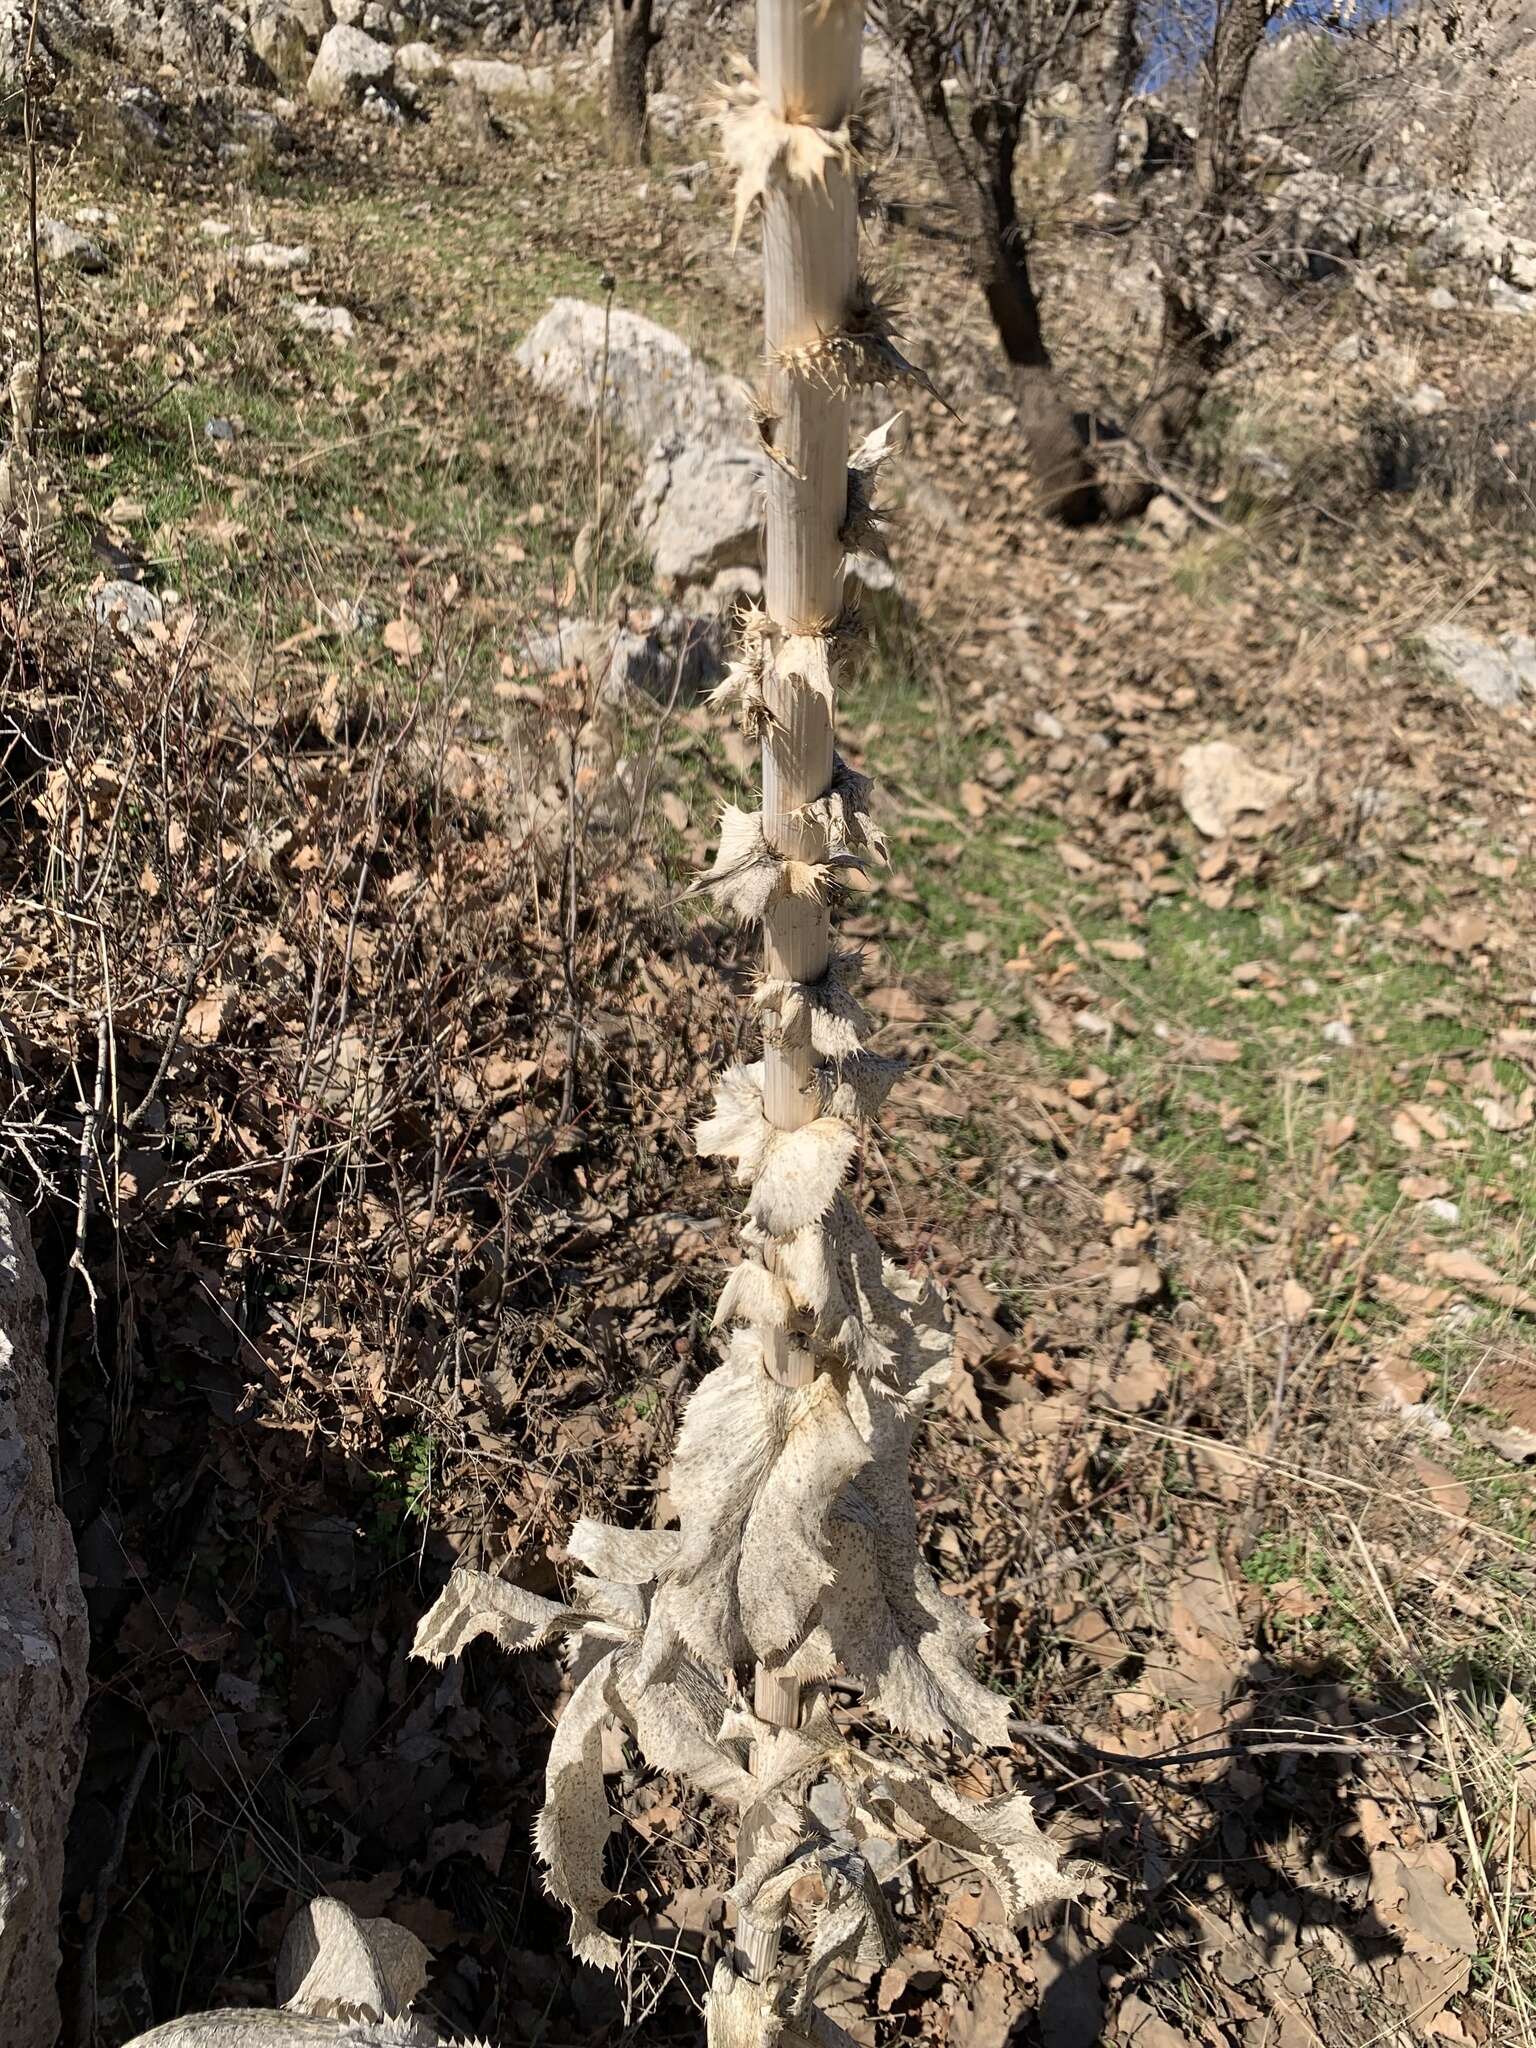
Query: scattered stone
point(1505, 299)
point(651, 649)
point(215, 230)
point(313, 16)
point(377, 106)
point(128, 603)
point(1497, 673)
point(419, 61)
point(1223, 792)
point(142, 116)
point(220, 429)
point(1167, 517)
point(347, 63)
point(1441, 300)
point(1520, 265)
point(276, 258)
point(334, 322)
point(341, 617)
point(43, 1686)
point(498, 79)
point(1045, 725)
point(200, 39)
point(1426, 400)
point(1337, 1032)
point(1354, 348)
point(653, 383)
point(58, 242)
point(279, 39)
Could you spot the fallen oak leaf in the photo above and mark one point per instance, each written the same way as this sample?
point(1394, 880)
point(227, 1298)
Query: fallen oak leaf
point(1468, 1270)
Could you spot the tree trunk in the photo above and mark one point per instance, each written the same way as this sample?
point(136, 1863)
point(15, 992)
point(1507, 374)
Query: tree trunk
point(633, 40)
point(1235, 38)
point(1110, 72)
point(998, 258)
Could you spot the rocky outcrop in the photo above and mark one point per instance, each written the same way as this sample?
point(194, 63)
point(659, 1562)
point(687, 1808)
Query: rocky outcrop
point(699, 508)
point(42, 1656)
point(349, 62)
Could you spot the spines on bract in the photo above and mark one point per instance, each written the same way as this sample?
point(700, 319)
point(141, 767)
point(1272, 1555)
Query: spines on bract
point(859, 353)
point(748, 876)
point(842, 812)
point(863, 530)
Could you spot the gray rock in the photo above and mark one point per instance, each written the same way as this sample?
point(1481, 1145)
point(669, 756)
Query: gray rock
point(1426, 400)
point(1498, 673)
point(652, 383)
point(419, 61)
point(129, 603)
point(1505, 299)
point(58, 242)
point(334, 322)
point(651, 649)
point(203, 40)
point(347, 63)
point(313, 16)
point(498, 79)
point(278, 259)
point(700, 508)
point(1520, 265)
point(279, 39)
point(42, 1655)
point(377, 106)
point(1440, 300)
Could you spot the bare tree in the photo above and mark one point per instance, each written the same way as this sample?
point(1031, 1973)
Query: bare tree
point(977, 68)
point(634, 38)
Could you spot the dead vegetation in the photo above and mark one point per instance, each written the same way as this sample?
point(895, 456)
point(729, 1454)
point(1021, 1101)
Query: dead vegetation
point(353, 1031)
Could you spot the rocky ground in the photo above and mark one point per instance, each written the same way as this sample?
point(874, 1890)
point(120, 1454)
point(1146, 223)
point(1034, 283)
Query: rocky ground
point(356, 756)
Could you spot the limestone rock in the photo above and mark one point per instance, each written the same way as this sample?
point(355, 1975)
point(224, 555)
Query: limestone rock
point(654, 384)
point(58, 242)
point(279, 39)
point(648, 648)
point(498, 79)
point(1505, 299)
point(42, 1656)
point(348, 62)
point(1222, 791)
point(700, 509)
point(419, 61)
point(1498, 673)
point(206, 41)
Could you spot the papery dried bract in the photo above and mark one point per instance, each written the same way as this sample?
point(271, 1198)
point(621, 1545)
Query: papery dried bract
point(793, 1176)
point(335, 1965)
point(762, 145)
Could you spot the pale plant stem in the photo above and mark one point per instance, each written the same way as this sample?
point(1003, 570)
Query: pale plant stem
point(808, 67)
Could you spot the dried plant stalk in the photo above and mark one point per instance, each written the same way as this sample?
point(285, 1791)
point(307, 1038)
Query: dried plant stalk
point(795, 1558)
point(808, 68)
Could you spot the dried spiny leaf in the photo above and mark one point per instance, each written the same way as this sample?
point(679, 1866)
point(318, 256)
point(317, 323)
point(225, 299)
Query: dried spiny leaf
point(742, 684)
point(822, 1014)
point(752, 1294)
point(860, 353)
point(765, 421)
point(574, 1822)
point(843, 813)
point(233, 2027)
point(890, 1326)
point(755, 1474)
point(1001, 1836)
point(477, 1604)
point(763, 144)
point(631, 1557)
point(749, 876)
point(793, 1176)
point(334, 1965)
point(855, 1087)
point(863, 527)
